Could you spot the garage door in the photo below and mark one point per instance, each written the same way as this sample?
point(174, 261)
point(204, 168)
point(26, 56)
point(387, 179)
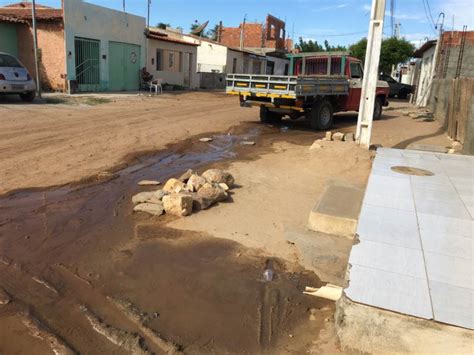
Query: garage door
point(124, 66)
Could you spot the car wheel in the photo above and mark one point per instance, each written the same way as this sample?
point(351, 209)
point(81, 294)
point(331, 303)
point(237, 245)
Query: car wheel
point(28, 97)
point(402, 95)
point(322, 115)
point(378, 108)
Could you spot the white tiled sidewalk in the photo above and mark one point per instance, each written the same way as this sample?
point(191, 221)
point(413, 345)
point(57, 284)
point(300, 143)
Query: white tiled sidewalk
point(416, 233)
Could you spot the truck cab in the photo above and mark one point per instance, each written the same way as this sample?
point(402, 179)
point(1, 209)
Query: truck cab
point(319, 85)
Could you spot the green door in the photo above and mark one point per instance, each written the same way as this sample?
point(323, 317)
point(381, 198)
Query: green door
point(124, 66)
point(8, 39)
point(87, 64)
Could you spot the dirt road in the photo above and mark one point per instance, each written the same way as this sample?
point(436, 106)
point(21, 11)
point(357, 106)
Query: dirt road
point(81, 272)
point(44, 145)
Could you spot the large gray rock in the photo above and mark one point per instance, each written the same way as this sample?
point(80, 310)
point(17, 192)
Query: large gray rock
point(147, 197)
point(155, 209)
point(195, 182)
point(200, 202)
point(178, 204)
point(218, 176)
point(212, 193)
point(174, 185)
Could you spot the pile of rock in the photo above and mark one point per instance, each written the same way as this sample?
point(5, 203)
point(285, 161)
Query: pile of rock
point(338, 136)
point(190, 192)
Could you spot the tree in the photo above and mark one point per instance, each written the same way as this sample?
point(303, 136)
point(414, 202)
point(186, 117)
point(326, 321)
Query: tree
point(162, 25)
point(213, 33)
point(393, 51)
point(313, 46)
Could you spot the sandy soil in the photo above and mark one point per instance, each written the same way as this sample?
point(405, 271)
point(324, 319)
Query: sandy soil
point(85, 274)
point(44, 145)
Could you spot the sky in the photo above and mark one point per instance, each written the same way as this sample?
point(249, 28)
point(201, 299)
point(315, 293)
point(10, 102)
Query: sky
point(339, 21)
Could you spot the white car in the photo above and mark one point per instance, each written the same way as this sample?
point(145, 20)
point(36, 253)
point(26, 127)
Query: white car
point(15, 79)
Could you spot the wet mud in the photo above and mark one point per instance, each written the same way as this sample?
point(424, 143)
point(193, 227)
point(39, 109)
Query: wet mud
point(96, 278)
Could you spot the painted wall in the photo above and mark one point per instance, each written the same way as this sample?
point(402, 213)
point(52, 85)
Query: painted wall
point(212, 57)
point(239, 57)
point(279, 65)
point(8, 39)
point(174, 74)
point(95, 22)
point(425, 80)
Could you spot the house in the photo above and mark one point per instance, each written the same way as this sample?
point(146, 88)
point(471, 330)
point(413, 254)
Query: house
point(426, 65)
point(255, 36)
point(105, 48)
point(82, 47)
point(172, 59)
point(16, 38)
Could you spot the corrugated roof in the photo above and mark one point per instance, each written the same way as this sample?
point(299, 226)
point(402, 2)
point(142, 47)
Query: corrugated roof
point(22, 11)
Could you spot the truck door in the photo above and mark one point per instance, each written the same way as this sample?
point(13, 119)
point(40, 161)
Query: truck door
point(355, 86)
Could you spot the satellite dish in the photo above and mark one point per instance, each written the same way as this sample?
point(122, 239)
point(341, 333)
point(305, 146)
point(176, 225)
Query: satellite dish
point(198, 30)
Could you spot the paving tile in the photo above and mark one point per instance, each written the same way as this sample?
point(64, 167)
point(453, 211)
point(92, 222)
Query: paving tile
point(455, 209)
point(390, 152)
point(390, 226)
point(383, 200)
point(431, 224)
point(450, 270)
point(391, 258)
point(452, 305)
point(447, 244)
point(391, 291)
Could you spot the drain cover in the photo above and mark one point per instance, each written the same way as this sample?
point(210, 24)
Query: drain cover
point(408, 170)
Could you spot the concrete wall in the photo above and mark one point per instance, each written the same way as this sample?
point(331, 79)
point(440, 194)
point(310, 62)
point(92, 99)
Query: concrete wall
point(95, 22)
point(239, 56)
point(8, 39)
point(212, 81)
point(279, 68)
point(212, 57)
point(174, 75)
point(52, 56)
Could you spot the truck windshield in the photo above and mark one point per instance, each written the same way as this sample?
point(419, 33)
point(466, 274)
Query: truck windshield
point(356, 71)
point(8, 61)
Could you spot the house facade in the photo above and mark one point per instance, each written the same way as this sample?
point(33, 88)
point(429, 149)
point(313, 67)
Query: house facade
point(172, 59)
point(105, 48)
point(16, 38)
point(426, 66)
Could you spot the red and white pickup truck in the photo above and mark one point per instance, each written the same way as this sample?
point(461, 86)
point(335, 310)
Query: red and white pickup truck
point(321, 85)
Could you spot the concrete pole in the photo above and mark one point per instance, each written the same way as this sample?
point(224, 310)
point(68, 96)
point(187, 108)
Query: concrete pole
point(35, 47)
point(371, 73)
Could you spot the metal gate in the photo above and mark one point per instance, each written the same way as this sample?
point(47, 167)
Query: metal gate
point(87, 64)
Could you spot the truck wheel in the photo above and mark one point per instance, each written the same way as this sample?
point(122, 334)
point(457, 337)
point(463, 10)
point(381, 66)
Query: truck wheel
point(28, 97)
point(267, 116)
point(378, 108)
point(321, 115)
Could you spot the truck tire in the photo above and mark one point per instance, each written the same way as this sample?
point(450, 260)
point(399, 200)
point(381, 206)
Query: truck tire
point(267, 116)
point(322, 115)
point(402, 95)
point(378, 108)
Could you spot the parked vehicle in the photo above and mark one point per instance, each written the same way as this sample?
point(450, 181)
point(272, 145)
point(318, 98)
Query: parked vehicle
point(397, 89)
point(321, 85)
point(15, 79)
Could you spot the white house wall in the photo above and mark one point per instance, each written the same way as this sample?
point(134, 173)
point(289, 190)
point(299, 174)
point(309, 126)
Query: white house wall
point(212, 57)
point(85, 20)
point(425, 76)
point(173, 77)
point(280, 65)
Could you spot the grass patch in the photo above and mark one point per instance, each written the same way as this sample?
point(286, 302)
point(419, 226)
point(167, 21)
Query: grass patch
point(59, 101)
point(92, 101)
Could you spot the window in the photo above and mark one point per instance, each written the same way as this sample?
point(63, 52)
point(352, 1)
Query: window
point(356, 71)
point(234, 65)
point(159, 60)
point(171, 60)
point(270, 68)
point(256, 67)
point(9, 61)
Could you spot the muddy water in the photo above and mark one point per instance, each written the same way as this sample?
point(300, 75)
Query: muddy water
point(80, 244)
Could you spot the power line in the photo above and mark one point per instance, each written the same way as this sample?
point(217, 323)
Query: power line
point(334, 35)
point(428, 16)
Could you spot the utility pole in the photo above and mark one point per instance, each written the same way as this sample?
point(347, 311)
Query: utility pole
point(35, 46)
point(371, 74)
point(147, 31)
point(242, 33)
